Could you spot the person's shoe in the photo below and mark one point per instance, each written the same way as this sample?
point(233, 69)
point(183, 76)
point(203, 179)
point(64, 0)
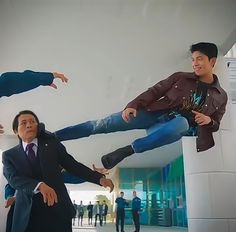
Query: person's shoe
point(112, 159)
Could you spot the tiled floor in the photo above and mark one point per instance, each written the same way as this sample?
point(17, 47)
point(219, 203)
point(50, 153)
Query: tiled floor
point(128, 228)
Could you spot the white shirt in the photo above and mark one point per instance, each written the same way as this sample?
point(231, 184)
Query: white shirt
point(35, 147)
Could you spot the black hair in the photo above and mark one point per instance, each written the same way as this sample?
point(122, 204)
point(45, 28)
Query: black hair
point(15, 122)
point(208, 49)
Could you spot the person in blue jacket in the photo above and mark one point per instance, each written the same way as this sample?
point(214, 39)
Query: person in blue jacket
point(19, 82)
point(120, 211)
point(136, 209)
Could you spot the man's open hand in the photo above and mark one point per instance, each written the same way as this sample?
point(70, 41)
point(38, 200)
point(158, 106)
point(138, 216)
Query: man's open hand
point(107, 183)
point(101, 170)
point(49, 194)
point(60, 76)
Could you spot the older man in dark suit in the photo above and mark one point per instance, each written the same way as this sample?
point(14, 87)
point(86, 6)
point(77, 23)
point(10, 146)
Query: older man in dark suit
point(32, 167)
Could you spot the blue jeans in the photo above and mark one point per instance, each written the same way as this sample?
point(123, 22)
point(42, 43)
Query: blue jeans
point(168, 129)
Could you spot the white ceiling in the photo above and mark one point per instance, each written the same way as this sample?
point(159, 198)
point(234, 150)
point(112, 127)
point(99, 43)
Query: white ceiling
point(111, 50)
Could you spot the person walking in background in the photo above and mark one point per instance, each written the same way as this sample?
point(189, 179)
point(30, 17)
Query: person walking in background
point(80, 210)
point(98, 213)
point(120, 211)
point(90, 213)
point(136, 209)
point(104, 212)
point(75, 207)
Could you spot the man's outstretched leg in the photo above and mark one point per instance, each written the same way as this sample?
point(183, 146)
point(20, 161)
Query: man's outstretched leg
point(111, 123)
point(168, 132)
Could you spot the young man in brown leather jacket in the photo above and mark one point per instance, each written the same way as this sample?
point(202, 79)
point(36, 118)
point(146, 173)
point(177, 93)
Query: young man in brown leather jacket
point(183, 104)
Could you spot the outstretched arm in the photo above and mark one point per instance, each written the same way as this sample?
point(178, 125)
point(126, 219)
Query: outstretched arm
point(72, 179)
point(19, 82)
point(82, 171)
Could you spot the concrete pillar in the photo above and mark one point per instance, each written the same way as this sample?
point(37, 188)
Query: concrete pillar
point(6, 142)
point(210, 176)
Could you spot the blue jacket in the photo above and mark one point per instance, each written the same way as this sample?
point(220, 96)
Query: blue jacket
point(136, 204)
point(9, 191)
point(18, 82)
point(121, 203)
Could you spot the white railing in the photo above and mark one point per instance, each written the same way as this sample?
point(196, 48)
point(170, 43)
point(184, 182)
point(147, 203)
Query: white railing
point(231, 63)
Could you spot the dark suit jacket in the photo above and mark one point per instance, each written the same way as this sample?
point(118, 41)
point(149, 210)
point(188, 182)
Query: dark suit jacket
point(19, 174)
point(105, 209)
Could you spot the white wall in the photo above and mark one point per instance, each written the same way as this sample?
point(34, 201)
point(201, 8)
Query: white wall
point(111, 50)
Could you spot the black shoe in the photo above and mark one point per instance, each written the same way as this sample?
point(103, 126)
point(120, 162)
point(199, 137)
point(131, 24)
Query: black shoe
point(112, 159)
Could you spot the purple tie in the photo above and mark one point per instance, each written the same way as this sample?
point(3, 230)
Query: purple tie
point(30, 152)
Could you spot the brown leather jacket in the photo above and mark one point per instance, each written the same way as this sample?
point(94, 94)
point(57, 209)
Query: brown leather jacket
point(171, 92)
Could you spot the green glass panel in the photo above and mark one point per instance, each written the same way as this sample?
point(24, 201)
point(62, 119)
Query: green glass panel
point(140, 174)
point(126, 175)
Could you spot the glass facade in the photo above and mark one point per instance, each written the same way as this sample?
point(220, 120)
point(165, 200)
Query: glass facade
point(162, 191)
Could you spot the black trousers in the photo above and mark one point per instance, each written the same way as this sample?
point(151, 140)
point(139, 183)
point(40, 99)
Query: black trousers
point(44, 219)
point(120, 217)
point(99, 217)
point(104, 218)
point(10, 218)
point(136, 220)
point(90, 217)
point(80, 218)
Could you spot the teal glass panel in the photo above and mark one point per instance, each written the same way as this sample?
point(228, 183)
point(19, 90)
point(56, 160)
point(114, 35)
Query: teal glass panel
point(158, 188)
point(126, 175)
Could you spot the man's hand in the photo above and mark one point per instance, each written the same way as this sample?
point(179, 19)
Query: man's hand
point(49, 195)
point(127, 112)
point(60, 76)
point(201, 119)
point(107, 183)
point(10, 201)
point(101, 170)
point(1, 129)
